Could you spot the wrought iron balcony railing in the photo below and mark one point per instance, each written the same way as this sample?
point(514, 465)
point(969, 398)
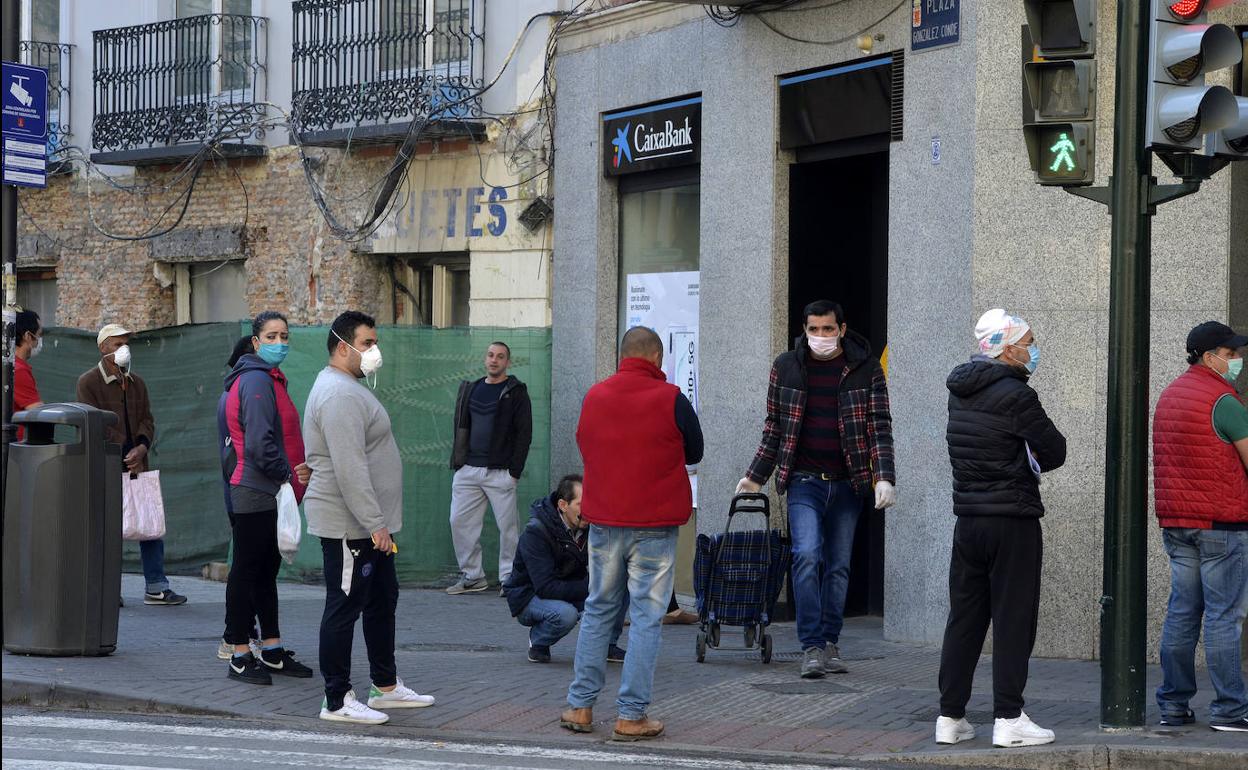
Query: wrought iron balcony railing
point(55, 58)
point(364, 70)
point(162, 90)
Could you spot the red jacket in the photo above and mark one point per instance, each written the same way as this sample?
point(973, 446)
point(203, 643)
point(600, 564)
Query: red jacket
point(1198, 479)
point(292, 429)
point(634, 452)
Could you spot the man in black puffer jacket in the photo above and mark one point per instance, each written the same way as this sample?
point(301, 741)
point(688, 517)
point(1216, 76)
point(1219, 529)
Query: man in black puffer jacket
point(1000, 441)
point(549, 580)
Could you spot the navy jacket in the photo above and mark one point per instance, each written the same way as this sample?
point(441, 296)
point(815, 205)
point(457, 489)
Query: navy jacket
point(247, 416)
point(549, 563)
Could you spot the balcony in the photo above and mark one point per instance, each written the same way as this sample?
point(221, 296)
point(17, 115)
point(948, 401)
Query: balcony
point(55, 58)
point(165, 90)
point(366, 70)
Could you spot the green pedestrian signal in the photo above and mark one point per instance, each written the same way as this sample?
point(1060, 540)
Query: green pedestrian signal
point(1062, 151)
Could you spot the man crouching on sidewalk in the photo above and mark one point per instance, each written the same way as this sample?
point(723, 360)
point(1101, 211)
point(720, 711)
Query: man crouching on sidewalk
point(636, 434)
point(550, 576)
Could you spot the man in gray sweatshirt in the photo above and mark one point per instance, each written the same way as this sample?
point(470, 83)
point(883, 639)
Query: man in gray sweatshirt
point(355, 505)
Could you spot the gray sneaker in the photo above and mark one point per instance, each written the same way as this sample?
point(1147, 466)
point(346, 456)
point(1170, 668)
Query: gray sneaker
point(812, 663)
point(466, 586)
point(832, 662)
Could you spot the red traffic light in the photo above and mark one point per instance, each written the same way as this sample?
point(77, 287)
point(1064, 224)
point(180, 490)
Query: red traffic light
point(1187, 9)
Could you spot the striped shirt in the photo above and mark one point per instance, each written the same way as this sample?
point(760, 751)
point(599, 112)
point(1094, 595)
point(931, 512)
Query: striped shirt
point(819, 444)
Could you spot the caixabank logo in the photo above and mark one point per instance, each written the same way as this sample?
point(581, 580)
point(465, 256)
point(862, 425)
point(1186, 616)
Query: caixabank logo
point(653, 136)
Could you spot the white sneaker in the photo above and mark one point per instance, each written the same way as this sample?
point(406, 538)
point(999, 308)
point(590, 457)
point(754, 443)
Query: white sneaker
point(1009, 733)
point(950, 731)
point(353, 711)
point(401, 697)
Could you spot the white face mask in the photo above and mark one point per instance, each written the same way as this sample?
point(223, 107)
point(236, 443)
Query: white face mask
point(38, 348)
point(370, 360)
point(122, 356)
point(823, 347)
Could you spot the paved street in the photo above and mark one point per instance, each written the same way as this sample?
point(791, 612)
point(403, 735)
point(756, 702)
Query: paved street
point(469, 653)
point(60, 741)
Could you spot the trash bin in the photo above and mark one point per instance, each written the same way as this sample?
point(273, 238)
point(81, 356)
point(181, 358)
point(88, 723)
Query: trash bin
point(62, 533)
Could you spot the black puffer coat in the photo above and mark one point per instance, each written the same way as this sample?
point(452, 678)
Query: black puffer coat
point(549, 562)
point(993, 413)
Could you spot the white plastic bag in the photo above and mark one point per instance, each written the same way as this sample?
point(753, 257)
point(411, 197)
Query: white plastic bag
point(289, 525)
point(142, 508)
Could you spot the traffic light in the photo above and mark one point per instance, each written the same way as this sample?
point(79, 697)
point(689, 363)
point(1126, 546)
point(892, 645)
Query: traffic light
point(1232, 141)
point(1182, 110)
point(1060, 129)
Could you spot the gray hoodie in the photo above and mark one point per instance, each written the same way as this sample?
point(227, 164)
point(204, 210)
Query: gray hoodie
point(357, 475)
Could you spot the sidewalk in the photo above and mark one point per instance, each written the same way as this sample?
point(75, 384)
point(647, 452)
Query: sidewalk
point(468, 652)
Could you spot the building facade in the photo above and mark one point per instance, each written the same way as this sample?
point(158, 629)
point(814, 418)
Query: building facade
point(211, 127)
point(712, 180)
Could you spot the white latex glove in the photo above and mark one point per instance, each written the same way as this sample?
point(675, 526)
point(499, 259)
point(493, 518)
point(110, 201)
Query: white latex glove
point(885, 495)
point(745, 486)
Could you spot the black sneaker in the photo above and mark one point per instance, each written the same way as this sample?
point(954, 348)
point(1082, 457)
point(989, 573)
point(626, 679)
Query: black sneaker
point(245, 668)
point(1178, 720)
point(1235, 726)
point(282, 661)
point(615, 654)
point(165, 597)
point(539, 653)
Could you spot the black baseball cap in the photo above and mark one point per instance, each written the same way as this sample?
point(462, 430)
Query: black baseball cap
point(1212, 335)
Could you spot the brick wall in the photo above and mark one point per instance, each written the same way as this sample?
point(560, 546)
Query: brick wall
point(294, 264)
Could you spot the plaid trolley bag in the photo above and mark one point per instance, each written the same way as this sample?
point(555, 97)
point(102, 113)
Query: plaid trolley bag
point(737, 578)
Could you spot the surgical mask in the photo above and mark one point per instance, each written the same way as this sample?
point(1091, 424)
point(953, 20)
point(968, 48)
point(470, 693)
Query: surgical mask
point(122, 356)
point(823, 347)
point(1033, 353)
point(273, 352)
point(1233, 368)
point(38, 348)
point(370, 360)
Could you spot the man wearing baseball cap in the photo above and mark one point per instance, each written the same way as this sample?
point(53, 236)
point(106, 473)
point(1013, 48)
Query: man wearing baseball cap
point(110, 385)
point(1200, 464)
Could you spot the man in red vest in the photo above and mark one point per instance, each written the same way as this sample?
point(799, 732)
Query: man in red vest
point(1200, 464)
point(636, 434)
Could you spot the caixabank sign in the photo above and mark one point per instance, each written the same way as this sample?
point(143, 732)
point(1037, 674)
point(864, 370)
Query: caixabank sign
point(652, 136)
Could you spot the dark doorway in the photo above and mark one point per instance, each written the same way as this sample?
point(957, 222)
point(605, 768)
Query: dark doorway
point(838, 249)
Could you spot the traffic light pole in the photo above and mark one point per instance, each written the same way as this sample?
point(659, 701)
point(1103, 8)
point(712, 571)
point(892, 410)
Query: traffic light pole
point(11, 19)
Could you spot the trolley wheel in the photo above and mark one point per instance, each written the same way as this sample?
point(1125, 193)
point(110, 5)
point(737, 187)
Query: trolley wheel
point(751, 635)
point(713, 639)
point(766, 648)
point(701, 647)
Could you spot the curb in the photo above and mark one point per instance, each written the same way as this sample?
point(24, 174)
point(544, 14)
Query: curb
point(21, 691)
point(1090, 757)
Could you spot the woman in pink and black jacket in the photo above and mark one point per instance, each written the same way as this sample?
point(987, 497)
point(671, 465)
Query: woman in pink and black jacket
point(261, 448)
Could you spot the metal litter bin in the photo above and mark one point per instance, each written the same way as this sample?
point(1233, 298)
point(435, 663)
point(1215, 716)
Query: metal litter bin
point(62, 533)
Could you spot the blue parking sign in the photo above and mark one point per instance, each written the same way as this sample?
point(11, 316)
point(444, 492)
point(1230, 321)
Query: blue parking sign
point(25, 123)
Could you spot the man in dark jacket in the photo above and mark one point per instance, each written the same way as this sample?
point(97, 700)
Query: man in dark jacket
point(829, 438)
point(493, 430)
point(550, 577)
point(1000, 441)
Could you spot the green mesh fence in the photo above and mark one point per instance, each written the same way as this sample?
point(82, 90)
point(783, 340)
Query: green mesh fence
point(184, 367)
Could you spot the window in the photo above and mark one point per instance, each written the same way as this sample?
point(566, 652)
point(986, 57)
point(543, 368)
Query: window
point(211, 291)
point(659, 233)
point(215, 59)
point(36, 290)
point(41, 23)
point(438, 291)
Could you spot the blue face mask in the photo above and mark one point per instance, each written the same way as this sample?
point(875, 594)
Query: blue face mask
point(1033, 351)
point(273, 352)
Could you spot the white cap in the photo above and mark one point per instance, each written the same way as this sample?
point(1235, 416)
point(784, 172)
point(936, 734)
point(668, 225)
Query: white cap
point(111, 330)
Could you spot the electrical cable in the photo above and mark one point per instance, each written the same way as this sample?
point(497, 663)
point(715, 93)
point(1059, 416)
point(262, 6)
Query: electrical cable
point(839, 40)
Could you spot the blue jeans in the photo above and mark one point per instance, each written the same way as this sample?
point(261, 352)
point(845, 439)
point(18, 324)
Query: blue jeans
point(1209, 576)
point(549, 620)
point(822, 519)
point(625, 565)
point(152, 554)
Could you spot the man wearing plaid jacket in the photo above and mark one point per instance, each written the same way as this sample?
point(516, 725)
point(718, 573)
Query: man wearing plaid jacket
point(829, 439)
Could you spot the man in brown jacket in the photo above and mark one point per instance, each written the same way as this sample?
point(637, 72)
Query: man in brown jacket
point(109, 385)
